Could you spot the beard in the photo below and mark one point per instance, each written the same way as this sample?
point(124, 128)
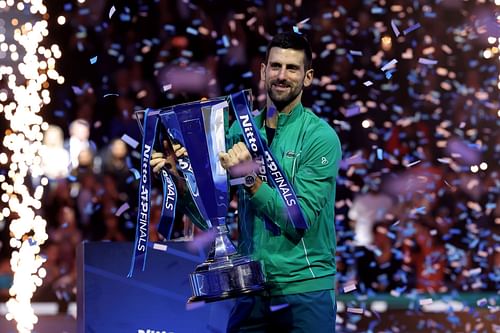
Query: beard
point(283, 92)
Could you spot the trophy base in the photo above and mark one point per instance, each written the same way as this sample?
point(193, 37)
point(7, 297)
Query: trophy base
point(222, 279)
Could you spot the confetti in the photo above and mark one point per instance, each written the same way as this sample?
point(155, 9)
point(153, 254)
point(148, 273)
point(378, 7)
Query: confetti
point(93, 60)
point(130, 141)
point(355, 53)
point(111, 94)
point(355, 310)
point(368, 83)
point(192, 31)
point(352, 111)
point(122, 209)
point(411, 28)
point(425, 301)
point(413, 163)
point(278, 307)
point(389, 65)
point(380, 154)
point(350, 287)
point(137, 174)
point(111, 11)
point(426, 61)
point(159, 247)
point(395, 28)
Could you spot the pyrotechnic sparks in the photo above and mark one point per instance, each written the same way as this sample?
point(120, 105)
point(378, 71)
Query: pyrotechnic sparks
point(26, 68)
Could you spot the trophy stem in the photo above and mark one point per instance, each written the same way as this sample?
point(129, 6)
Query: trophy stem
point(222, 247)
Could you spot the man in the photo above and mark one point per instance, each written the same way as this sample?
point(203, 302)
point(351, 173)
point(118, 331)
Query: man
point(299, 264)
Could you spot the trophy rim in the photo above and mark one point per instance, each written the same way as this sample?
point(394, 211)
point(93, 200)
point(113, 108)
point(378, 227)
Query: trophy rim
point(139, 114)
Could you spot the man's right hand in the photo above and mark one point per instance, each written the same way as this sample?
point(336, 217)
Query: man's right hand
point(167, 159)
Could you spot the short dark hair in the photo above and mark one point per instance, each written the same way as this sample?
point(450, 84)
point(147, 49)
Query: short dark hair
point(292, 40)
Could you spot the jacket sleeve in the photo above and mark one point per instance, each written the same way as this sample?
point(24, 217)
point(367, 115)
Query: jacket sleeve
point(314, 182)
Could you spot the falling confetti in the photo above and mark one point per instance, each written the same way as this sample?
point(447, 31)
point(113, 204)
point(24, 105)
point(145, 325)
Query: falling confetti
point(111, 11)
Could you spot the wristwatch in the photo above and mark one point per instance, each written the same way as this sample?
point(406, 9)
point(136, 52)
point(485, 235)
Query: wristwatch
point(247, 181)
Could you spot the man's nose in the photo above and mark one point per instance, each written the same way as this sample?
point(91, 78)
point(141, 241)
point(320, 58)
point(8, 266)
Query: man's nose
point(282, 73)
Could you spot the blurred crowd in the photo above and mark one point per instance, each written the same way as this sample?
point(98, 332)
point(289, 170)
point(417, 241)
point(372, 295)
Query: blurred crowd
point(418, 203)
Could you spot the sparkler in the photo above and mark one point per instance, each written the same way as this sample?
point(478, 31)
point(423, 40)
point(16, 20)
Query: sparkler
point(26, 68)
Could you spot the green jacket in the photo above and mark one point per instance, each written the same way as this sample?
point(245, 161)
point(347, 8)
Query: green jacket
point(309, 152)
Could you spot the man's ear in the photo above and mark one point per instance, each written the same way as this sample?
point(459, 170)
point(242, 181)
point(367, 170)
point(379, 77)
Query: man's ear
point(262, 71)
point(308, 78)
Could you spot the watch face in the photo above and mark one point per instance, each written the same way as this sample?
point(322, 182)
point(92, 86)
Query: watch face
point(249, 180)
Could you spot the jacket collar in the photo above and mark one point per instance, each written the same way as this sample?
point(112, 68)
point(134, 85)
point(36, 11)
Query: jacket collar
point(283, 118)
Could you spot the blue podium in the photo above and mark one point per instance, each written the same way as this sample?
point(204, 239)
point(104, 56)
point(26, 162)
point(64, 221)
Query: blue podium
point(153, 301)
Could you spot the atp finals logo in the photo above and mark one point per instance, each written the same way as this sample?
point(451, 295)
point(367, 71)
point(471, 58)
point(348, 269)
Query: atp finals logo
point(148, 330)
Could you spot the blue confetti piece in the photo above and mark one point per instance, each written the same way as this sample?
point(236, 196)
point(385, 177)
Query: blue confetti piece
point(192, 31)
point(247, 75)
point(389, 65)
point(31, 241)
point(326, 39)
point(93, 60)
point(395, 28)
point(296, 30)
point(377, 10)
point(278, 307)
point(59, 113)
point(380, 154)
point(411, 28)
point(388, 74)
point(125, 17)
point(426, 61)
point(122, 209)
point(72, 178)
point(225, 41)
point(352, 111)
point(187, 53)
point(355, 53)
point(482, 302)
point(491, 205)
point(136, 173)
point(130, 141)
point(84, 11)
point(169, 28)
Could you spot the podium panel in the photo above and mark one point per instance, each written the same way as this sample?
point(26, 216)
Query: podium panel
point(153, 301)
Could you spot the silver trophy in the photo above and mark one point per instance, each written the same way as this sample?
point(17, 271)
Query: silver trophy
point(201, 127)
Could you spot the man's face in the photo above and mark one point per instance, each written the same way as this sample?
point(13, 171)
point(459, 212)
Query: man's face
point(284, 75)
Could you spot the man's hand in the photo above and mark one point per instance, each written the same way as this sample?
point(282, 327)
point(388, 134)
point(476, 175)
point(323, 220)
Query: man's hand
point(167, 159)
point(236, 160)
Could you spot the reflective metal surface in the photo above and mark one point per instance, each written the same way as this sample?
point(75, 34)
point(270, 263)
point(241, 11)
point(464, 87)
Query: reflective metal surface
point(240, 275)
point(225, 274)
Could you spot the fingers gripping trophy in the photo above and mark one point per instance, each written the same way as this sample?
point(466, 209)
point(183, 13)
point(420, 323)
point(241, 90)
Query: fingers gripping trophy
point(195, 134)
